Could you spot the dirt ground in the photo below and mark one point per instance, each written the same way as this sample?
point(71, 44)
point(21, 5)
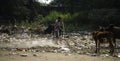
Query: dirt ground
point(48, 56)
point(78, 48)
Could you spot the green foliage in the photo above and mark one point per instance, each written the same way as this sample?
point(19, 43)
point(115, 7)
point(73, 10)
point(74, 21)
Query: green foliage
point(77, 15)
point(26, 23)
point(66, 17)
point(70, 22)
point(19, 10)
point(84, 20)
point(51, 17)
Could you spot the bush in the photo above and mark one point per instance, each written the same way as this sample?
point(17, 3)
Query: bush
point(67, 19)
point(82, 20)
point(71, 22)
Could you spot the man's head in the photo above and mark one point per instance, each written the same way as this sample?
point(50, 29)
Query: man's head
point(59, 19)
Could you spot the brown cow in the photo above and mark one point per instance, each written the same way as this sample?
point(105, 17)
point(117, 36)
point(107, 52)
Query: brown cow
point(116, 32)
point(100, 36)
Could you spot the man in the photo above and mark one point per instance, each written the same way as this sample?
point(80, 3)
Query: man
point(58, 27)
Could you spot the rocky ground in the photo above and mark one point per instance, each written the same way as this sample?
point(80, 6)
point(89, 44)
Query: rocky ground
point(47, 56)
point(73, 46)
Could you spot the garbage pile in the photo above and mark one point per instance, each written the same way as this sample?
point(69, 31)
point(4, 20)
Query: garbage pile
point(74, 44)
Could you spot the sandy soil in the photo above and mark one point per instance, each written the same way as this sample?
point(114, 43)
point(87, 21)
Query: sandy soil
point(46, 56)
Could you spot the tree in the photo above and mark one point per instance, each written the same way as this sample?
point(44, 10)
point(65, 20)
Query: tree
point(18, 10)
point(88, 3)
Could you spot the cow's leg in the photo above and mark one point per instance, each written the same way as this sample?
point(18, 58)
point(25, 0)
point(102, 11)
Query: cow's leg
point(95, 39)
point(97, 46)
point(111, 46)
point(114, 41)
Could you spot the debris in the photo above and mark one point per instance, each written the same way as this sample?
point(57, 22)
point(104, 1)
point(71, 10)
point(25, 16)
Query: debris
point(43, 51)
point(35, 55)
point(12, 53)
point(105, 55)
point(77, 42)
point(24, 55)
point(55, 51)
point(64, 49)
point(67, 54)
point(94, 54)
point(119, 55)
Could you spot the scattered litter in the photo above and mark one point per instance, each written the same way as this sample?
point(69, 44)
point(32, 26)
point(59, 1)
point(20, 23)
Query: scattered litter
point(79, 43)
point(64, 49)
point(35, 55)
point(119, 55)
point(12, 53)
point(94, 54)
point(24, 55)
point(105, 55)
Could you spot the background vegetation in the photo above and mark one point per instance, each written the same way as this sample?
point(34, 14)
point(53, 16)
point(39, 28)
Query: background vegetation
point(76, 14)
